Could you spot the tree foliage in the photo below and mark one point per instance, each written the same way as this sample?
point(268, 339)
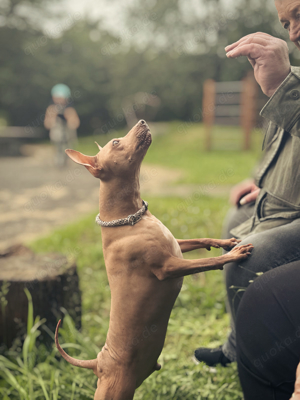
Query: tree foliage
point(167, 47)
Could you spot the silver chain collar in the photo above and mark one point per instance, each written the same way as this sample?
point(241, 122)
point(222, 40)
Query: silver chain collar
point(130, 220)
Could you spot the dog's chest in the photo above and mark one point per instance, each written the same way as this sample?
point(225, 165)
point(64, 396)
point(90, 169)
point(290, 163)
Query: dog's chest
point(167, 236)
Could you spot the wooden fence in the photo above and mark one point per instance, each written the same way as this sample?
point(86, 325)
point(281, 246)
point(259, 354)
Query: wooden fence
point(230, 103)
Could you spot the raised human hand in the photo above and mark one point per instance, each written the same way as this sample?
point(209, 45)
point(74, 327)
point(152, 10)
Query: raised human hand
point(269, 56)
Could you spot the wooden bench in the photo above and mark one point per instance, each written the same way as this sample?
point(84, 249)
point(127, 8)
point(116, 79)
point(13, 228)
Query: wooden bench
point(13, 137)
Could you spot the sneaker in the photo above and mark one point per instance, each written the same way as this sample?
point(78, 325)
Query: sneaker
point(212, 357)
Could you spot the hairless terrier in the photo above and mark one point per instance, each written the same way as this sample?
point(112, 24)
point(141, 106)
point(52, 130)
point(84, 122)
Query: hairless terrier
point(144, 264)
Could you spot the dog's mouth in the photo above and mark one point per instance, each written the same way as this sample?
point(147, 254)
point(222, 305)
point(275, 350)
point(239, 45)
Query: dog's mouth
point(144, 139)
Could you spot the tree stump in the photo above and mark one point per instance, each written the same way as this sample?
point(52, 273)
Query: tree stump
point(53, 284)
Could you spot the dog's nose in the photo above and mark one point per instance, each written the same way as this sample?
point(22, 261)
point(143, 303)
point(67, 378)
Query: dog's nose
point(142, 122)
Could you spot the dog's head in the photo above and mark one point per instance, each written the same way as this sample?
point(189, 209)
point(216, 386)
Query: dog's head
point(118, 158)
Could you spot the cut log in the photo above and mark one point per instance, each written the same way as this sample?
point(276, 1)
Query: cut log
point(53, 284)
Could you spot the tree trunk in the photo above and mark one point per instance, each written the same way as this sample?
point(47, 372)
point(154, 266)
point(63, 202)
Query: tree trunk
point(53, 284)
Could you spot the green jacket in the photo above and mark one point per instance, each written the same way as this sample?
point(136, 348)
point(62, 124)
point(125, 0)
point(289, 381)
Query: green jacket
point(278, 174)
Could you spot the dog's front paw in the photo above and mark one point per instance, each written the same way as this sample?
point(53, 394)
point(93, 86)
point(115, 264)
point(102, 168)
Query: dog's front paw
point(240, 253)
point(228, 244)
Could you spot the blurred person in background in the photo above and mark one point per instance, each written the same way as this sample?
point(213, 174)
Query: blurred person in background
point(62, 121)
point(265, 321)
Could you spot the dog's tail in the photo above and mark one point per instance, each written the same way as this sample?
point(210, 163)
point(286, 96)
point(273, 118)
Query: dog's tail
point(90, 364)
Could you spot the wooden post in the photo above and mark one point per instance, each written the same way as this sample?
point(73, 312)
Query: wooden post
point(208, 110)
point(53, 284)
point(248, 108)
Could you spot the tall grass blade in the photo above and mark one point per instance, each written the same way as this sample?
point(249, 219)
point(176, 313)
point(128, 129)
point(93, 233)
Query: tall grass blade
point(30, 311)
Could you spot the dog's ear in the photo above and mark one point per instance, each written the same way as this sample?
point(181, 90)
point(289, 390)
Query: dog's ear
point(100, 148)
point(89, 162)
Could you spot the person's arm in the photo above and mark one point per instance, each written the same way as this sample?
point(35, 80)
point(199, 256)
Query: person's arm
point(72, 118)
point(50, 117)
point(283, 108)
point(269, 57)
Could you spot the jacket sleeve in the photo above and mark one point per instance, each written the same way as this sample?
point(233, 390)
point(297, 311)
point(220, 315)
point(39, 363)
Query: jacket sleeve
point(283, 108)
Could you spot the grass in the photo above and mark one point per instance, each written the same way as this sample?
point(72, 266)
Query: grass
point(198, 318)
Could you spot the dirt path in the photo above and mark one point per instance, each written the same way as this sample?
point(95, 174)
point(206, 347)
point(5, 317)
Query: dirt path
point(35, 197)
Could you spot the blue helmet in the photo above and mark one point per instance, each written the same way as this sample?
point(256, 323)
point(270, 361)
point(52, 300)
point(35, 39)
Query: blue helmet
point(61, 90)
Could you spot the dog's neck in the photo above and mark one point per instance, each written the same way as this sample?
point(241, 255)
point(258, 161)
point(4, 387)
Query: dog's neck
point(119, 198)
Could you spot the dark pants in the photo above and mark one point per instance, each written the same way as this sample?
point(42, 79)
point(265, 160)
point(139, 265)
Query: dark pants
point(272, 249)
point(268, 334)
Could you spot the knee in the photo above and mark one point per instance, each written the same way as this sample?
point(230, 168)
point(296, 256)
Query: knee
point(259, 255)
point(240, 273)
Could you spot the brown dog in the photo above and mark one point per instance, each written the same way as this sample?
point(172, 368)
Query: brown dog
point(144, 265)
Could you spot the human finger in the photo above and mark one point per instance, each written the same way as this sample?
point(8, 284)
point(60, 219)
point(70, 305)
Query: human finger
point(250, 197)
point(258, 36)
point(255, 39)
point(235, 44)
point(252, 51)
point(238, 192)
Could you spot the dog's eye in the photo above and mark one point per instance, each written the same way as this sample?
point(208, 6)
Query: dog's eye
point(115, 142)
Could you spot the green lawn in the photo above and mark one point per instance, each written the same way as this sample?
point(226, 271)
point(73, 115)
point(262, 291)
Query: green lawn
point(199, 316)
